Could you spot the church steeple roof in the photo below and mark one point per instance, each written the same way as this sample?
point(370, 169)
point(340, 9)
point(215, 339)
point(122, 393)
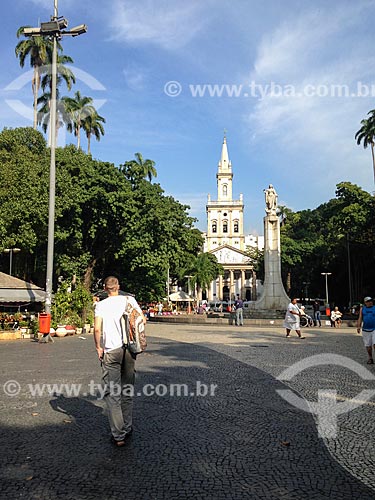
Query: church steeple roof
point(224, 163)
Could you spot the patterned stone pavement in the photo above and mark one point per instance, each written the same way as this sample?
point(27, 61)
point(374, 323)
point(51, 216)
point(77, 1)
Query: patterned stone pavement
point(244, 441)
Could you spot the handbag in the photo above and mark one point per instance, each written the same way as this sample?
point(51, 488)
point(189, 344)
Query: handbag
point(133, 330)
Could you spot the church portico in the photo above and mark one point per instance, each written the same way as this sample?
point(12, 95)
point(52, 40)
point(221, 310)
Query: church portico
point(235, 281)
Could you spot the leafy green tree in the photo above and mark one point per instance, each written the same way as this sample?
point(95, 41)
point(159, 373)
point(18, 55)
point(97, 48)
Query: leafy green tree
point(337, 237)
point(24, 198)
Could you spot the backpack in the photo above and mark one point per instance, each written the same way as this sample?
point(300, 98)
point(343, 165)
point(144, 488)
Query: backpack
point(133, 330)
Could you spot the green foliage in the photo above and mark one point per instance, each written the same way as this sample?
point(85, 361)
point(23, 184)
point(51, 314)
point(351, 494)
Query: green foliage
point(104, 224)
point(204, 270)
point(324, 239)
point(71, 307)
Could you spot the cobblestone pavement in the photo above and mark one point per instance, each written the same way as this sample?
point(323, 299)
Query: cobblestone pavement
point(244, 441)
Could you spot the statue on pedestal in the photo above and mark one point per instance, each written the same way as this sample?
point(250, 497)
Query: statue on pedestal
point(271, 200)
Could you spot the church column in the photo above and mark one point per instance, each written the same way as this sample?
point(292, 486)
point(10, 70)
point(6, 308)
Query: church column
point(219, 293)
point(243, 288)
point(231, 289)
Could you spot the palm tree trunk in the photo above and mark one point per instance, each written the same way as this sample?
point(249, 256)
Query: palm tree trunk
point(36, 84)
point(78, 136)
point(88, 144)
point(373, 158)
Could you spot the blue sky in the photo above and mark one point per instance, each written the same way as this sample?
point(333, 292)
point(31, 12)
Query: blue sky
point(286, 126)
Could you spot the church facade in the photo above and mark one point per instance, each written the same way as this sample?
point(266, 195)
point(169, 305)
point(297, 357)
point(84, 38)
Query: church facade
point(226, 240)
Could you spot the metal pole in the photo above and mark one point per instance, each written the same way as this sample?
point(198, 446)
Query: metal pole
point(327, 289)
point(10, 262)
point(52, 178)
point(349, 272)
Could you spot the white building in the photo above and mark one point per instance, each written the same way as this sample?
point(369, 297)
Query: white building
point(225, 238)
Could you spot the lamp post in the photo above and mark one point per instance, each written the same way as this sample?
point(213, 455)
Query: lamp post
point(11, 251)
point(54, 29)
point(326, 275)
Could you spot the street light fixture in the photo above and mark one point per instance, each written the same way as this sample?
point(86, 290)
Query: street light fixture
point(55, 29)
point(326, 275)
point(11, 251)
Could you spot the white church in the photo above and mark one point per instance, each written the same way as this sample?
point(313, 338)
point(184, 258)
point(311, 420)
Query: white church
point(226, 240)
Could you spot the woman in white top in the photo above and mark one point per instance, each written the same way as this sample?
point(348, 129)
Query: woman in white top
point(291, 321)
point(336, 318)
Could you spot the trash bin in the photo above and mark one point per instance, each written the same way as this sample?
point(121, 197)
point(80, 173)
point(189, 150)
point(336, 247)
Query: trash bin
point(44, 323)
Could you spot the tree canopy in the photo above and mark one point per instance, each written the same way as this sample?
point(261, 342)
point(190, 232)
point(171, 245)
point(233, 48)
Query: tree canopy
point(337, 237)
point(104, 223)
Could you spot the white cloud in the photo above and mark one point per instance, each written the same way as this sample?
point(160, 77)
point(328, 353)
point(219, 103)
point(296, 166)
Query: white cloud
point(315, 49)
point(167, 23)
point(134, 78)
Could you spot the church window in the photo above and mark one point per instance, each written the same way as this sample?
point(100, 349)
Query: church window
point(225, 190)
point(214, 226)
point(225, 226)
point(235, 227)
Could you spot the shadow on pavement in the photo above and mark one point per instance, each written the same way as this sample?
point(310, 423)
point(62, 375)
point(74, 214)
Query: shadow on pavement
point(242, 442)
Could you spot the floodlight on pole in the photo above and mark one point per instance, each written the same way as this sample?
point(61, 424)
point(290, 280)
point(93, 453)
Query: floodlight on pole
point(54, 29)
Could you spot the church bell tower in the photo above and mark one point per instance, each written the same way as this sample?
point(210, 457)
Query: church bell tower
point(225, 216)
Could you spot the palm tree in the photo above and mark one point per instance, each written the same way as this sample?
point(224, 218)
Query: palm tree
point(147, 167)
point(79, 108)
point(367, 134)
point(205, 269)
point(62, 116)
point(63, 74)
point(93, 125)
point(138, 169)
point(36, 48)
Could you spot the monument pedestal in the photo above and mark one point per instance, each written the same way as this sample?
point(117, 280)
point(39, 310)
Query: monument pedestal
point(274, 297)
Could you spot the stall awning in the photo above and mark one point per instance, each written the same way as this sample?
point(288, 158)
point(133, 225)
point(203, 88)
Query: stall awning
point(15, 290)
point(180, 296)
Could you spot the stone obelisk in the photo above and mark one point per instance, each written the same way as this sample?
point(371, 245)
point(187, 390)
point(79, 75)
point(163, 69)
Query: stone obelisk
point(274, 297)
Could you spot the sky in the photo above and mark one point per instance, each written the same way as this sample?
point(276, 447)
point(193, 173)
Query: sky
point(288, 81)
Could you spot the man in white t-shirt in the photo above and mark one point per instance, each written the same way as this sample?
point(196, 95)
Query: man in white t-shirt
point(291, 321)
point(117, 362)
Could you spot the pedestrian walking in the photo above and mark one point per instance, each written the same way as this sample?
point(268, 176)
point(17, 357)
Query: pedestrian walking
point(366, 320)
point(239, 311)
point(117, 361)
point(291, 321)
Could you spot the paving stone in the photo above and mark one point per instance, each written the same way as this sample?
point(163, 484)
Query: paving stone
point(225, 446)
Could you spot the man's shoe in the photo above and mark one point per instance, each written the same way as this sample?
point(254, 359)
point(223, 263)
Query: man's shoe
point(119, 443)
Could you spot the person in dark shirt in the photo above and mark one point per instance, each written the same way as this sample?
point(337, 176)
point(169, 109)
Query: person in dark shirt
point(239, 311)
